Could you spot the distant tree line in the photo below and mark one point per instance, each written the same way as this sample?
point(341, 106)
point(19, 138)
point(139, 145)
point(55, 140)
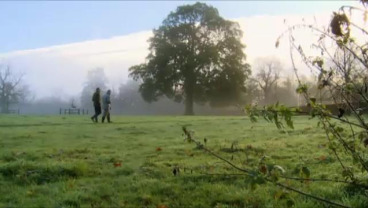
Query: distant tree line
point(12, 89)
point(196, 63)
point(270, 83)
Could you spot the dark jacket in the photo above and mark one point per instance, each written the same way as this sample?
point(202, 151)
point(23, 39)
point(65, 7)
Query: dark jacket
point(96, 98)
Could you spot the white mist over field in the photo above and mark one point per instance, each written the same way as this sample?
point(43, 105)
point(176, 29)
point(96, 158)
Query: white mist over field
point(61, 70)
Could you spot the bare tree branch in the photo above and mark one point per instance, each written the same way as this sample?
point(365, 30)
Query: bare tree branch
point(249, 172)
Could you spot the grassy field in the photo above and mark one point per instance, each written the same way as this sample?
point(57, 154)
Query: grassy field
point(55, 161)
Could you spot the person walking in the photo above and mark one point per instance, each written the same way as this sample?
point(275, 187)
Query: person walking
point(106, 105)
point(96, 99)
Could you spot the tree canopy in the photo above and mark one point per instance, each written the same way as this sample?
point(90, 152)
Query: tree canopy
point(195, 56)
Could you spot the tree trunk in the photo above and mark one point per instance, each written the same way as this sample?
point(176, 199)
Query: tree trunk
point(189, 97)
point(189, 89)
point(4, 107)
point(189, 104)
point(267, 97)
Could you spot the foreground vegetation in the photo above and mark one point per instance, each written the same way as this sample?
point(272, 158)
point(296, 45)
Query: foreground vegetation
point(53, 161)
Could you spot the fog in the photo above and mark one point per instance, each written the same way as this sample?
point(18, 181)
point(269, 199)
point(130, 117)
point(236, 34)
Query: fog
point(56, 75)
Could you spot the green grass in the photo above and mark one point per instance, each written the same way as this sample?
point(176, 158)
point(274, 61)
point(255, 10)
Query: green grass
point(55, 161)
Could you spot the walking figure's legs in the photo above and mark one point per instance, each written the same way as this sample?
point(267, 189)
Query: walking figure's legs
point(105, 111)
point(94, 118)
point(106, 114)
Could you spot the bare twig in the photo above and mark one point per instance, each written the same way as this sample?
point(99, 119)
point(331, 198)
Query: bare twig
point(292, 178)
point(319, 114)
point(249, 172)
point(311, 196)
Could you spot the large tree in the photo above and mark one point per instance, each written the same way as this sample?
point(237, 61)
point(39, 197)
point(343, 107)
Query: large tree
point(195, 56)
point(12, 89)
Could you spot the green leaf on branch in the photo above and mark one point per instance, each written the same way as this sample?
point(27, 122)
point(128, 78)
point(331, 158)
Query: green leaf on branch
point(313, 101)
point(318, 61)
point(302, 88)
point(305, 172)
point(252, 112)
point(277, 114)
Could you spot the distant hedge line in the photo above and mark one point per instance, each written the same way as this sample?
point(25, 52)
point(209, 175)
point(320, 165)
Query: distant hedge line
point(361, 108)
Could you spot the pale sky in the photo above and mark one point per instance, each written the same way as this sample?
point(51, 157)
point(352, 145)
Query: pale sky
point(56, 43)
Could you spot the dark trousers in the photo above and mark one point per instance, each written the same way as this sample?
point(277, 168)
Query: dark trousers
point(97, 112)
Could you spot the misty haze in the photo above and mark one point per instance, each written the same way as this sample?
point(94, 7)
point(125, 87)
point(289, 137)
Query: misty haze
point(184, 104)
